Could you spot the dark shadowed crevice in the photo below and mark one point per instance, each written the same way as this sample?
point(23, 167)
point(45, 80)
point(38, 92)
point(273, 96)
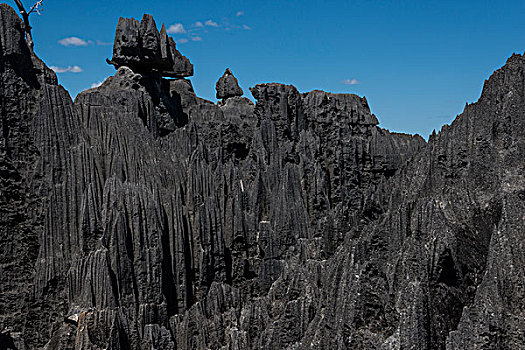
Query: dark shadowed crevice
point(176, 111)
point(389, 172)
point(6, 342)
point(114, 283)
point(239, 149)
point(189, 274)
point(169, 288)
point(142, 114)
point(448, 274)
point(456, 280)
point(123, 338)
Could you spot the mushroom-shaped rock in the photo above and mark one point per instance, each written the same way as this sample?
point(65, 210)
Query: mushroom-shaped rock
point(227, 86)
point(140, 46)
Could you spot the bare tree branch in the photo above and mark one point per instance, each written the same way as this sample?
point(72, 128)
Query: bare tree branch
point(25, 16)
point(36, 7)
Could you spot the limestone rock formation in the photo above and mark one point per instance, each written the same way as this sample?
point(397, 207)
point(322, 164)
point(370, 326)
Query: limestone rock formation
point(141, 216)
point(140, 46)
point(227, 86)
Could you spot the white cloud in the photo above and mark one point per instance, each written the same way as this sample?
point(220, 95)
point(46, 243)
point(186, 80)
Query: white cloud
point(73, 41)
point(198, 24)
point(239, 13)
point(59, 69)
point(196, 38)
point(75, 69)
point(182, 41)
point(351, 81)
point(72, 69)
point(246, 27)
point(176, 28)
point(97, 84)
point(103, 43)
point(211, 23)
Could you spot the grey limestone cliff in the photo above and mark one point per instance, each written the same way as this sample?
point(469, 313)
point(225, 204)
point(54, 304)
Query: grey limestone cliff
point(140, 216)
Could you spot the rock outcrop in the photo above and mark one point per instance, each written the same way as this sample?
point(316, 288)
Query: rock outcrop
point(140, 46)
point(141, 216)
point(227, 86)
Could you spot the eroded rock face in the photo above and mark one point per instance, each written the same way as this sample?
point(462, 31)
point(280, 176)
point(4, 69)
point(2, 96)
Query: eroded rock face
point(142, 216)
point(227, 86)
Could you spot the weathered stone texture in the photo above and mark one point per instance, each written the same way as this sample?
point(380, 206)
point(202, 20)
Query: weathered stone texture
point(141, 216)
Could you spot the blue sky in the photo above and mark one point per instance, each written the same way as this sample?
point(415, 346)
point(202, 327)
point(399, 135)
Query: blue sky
point(417, 62)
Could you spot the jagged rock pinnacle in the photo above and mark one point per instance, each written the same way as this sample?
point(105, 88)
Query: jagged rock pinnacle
point(227, 86)
point(140, 46)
